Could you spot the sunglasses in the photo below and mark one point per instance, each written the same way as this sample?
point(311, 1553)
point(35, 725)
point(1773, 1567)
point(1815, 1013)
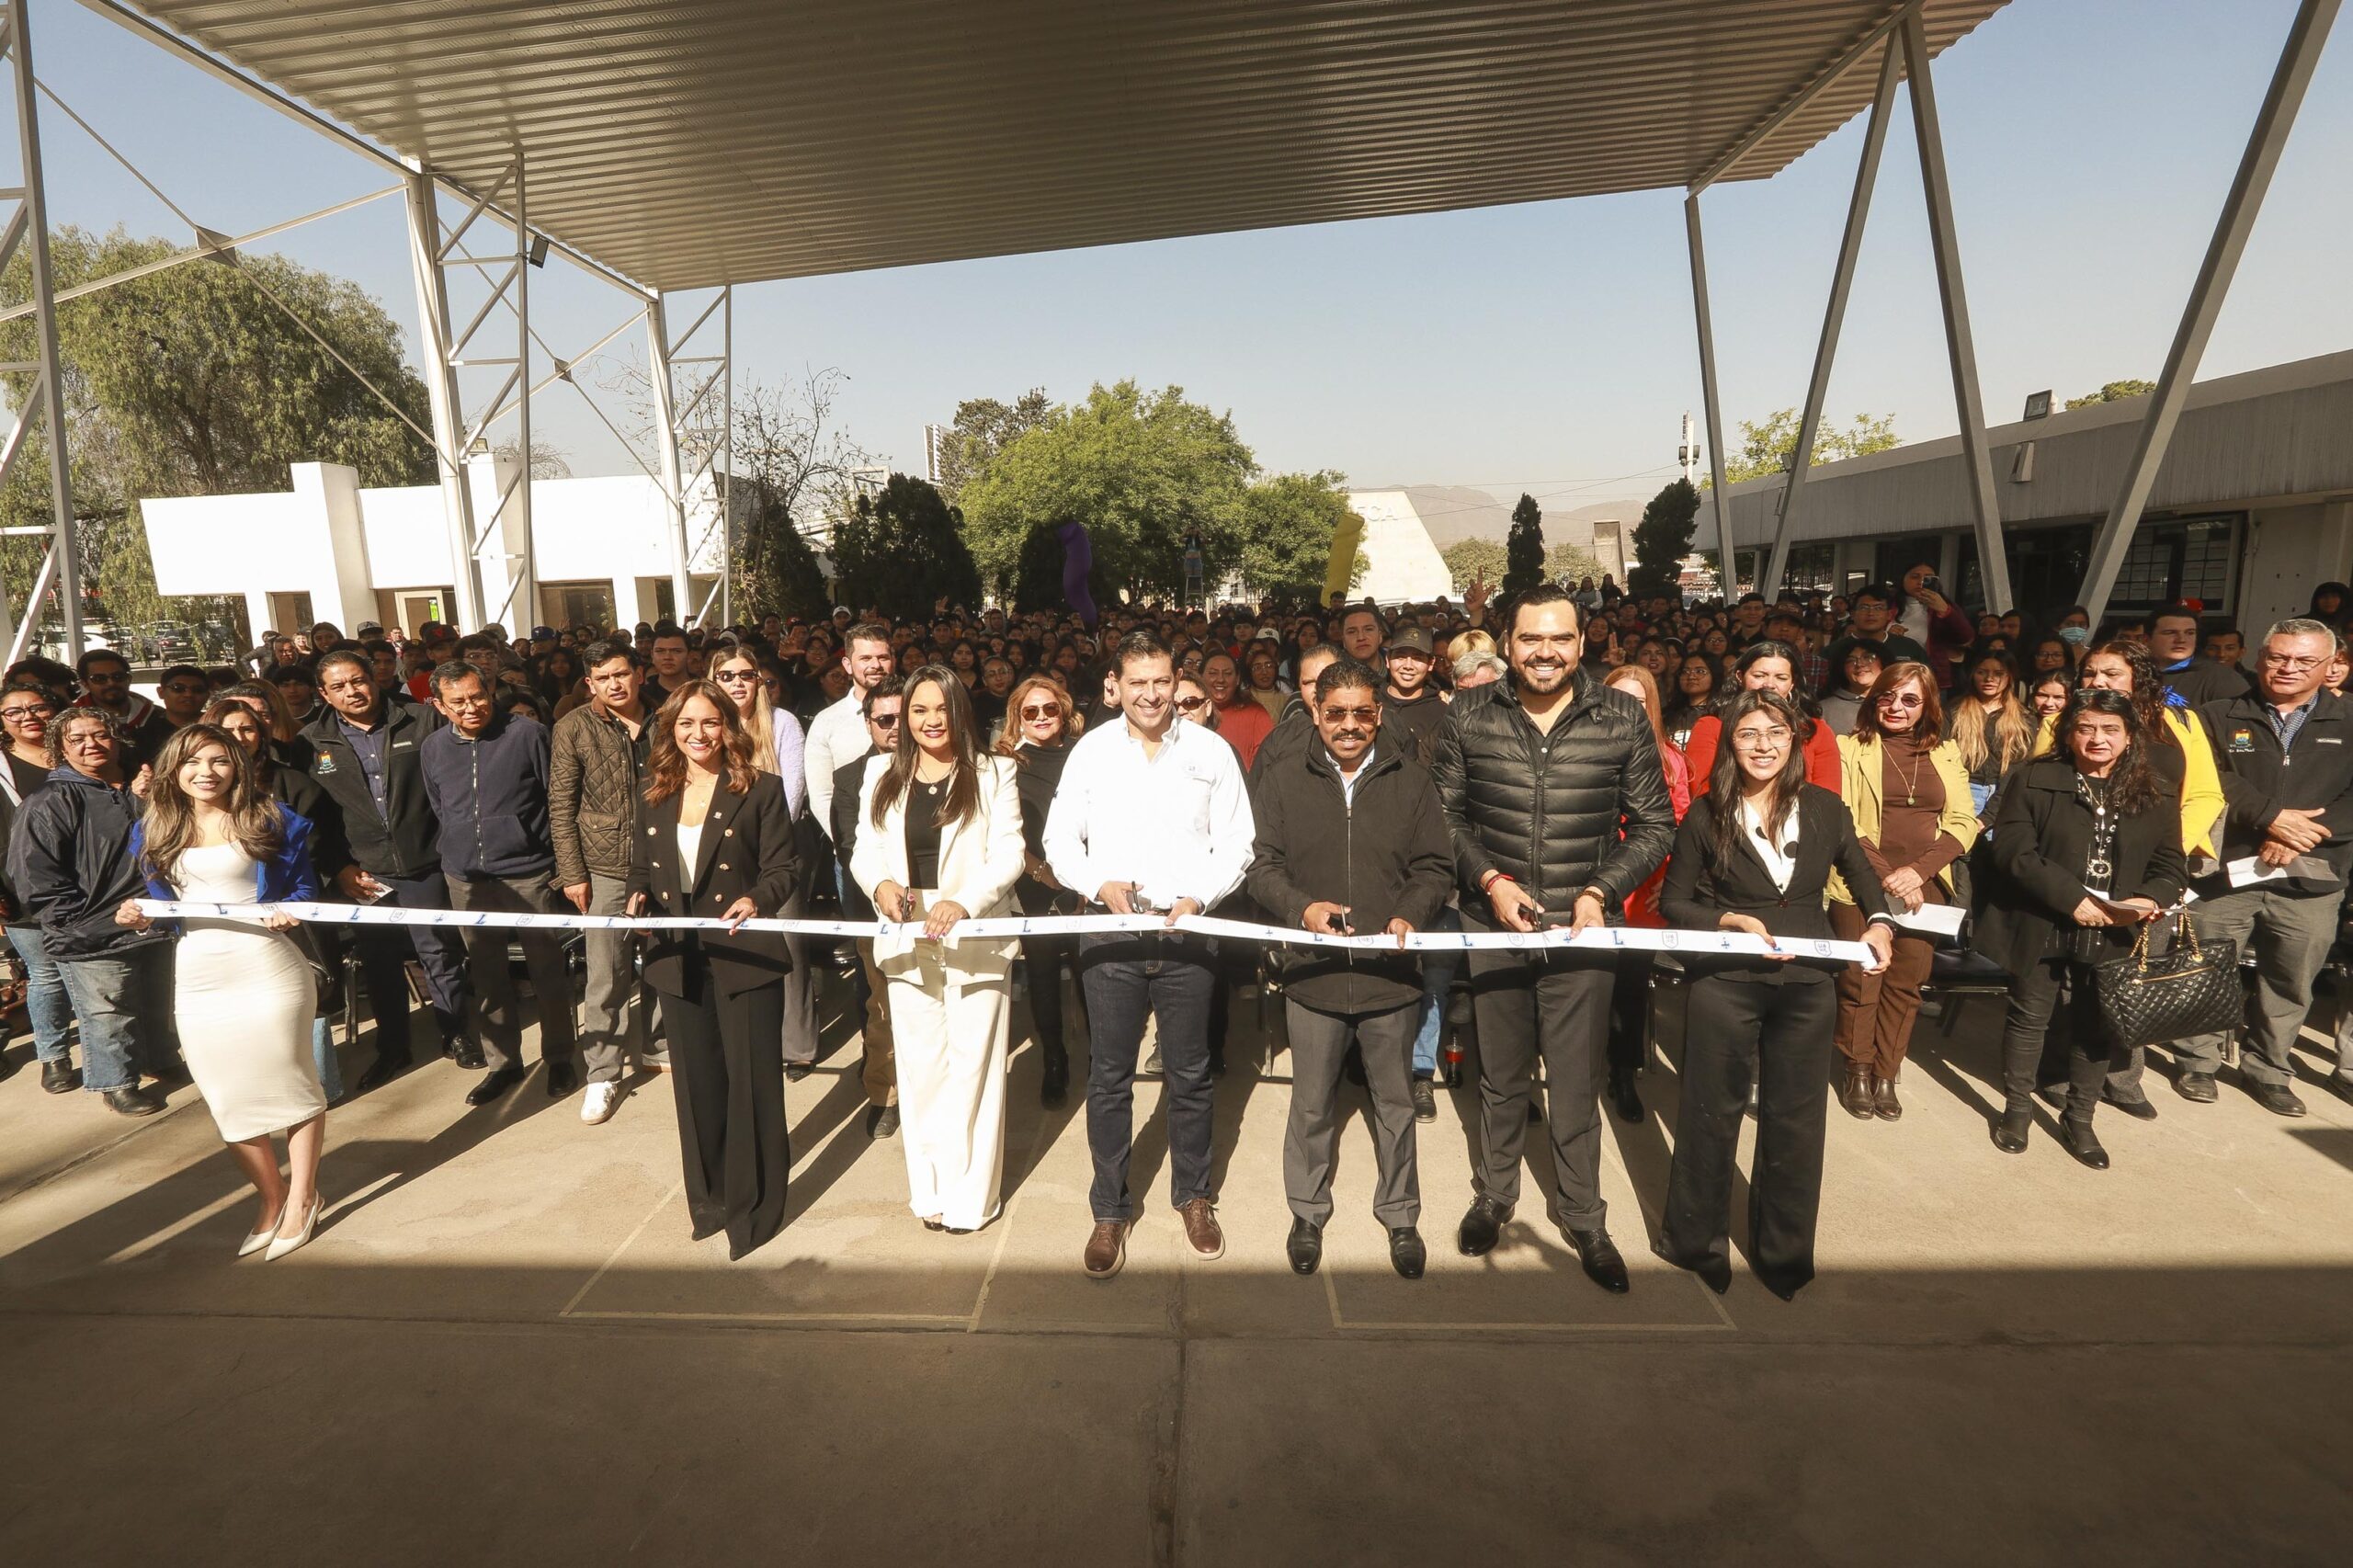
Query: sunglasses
point(1342, 715)
point(883, 720)
point(1187, 704)
point(1046, 713)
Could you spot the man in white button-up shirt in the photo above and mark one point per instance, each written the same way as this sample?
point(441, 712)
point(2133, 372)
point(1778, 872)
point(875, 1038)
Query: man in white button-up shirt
point(838, 735)
point(1150, 816)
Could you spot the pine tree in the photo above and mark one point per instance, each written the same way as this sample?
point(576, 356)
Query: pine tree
point(1662, 539)
point(1524, 564)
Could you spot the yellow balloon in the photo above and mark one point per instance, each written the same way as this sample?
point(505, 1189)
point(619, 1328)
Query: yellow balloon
point(1345, 539)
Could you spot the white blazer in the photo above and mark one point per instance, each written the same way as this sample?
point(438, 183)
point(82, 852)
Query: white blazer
point(980, 859)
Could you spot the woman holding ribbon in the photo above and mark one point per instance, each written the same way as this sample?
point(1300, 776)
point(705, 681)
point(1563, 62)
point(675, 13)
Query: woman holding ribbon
point(243, 993)
point(941, 841)
point(715, 840)
point(1754, 856)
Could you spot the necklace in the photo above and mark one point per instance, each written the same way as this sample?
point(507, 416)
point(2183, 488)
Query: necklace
point(1912, 780)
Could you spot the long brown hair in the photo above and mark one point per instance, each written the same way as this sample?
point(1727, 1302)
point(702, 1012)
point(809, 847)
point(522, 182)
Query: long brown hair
point(963, 798)
point(169, 829)
point(1727, 782)
point(667, 765)
point(1930, 729)
point(2003, 736)
point(1649, 684)
point(1008, 743)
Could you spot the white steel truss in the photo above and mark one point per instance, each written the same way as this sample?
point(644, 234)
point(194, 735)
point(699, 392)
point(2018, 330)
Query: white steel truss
point(690, 428)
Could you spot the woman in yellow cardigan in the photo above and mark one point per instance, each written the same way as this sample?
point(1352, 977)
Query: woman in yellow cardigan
point(2187, 764)
point(1908, 793)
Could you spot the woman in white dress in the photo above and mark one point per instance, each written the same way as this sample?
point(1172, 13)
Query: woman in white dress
point(941, 840)
point(245, 993)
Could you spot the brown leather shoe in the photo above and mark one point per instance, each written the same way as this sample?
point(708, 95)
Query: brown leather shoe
point(1201, 1228)
point(1856, 1098)
point(1106, 1248)
point(1885, 1105)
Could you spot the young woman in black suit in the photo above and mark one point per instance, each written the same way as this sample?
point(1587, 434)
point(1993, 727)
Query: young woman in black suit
point(1754, 856)
point(715, 839)
point(2086, 845)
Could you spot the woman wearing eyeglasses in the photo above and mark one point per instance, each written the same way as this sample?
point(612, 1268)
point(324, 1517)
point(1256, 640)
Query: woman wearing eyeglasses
point(778, 743)
point(939, 841)
point(1754, 856)
point(25, 712)
point(1041, 725)
point(1905, 785)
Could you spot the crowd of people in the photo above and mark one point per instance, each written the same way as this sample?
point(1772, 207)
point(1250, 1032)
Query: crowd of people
point(1821, 767)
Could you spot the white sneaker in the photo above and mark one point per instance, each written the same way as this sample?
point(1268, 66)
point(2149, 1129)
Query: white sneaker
point(599, 1103)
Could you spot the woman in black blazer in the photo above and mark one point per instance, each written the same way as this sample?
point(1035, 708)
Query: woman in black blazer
point(1754, 855)
point(715, 839)
point(2086, 845)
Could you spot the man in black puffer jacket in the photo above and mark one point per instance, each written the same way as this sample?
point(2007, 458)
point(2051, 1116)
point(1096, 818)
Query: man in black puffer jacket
point(1557, 800)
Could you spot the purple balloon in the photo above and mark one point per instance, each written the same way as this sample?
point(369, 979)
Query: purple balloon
point(1078, 560)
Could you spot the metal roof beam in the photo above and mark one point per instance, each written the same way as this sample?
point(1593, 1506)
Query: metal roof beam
point(1846, 60)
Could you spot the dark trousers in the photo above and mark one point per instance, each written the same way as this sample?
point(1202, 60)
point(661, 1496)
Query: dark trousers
point(799, 986)
point(1784, 1028)
point(1128, 979)
point(1875, 1012)
point(728, 1077)
point(1045, 959)
point(1311, 1137)
point(1630, 1012)
point(384, 952)
point(2054, 991)
point(1556, 1004)
point(498, 1009)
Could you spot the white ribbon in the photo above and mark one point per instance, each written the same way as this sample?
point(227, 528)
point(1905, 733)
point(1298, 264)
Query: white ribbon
point(1599, 939)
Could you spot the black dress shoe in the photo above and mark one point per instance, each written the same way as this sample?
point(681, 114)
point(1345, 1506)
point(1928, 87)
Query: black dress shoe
point(173, 1074)
point(1424, 1101)
point(466, 1051)
point(2137, 1107)
point(495, 1084)
point(60, 1078)
point(1600, 1258)
point(132, 1100)
point(2011, 1131)
point(381, 1072)
point(1305, 1247)
point(1715, 1273)
point(2340, 1084)
point(796, 1071)
point(882, 1121)
point(1482, 1226)
point(2199, 1086)
point(562, 1078)
point(1055, 1081)
point(1623, 1098)
point(2277, 1098)
point(2084, 1143)
point(1406, 1254)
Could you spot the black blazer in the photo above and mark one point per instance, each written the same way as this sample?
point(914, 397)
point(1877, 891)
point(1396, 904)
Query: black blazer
point(747, 849)
point(2040, 840)
point(1702, 885)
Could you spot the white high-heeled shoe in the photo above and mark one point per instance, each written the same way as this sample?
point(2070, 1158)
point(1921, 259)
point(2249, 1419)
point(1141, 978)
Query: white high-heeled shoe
point(280, 1246)
point(261, 1238)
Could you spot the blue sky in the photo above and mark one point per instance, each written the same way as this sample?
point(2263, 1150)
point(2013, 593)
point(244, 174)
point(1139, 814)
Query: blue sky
point(1545, 348)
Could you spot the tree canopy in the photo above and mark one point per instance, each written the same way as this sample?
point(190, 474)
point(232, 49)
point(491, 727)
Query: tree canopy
point(2114, 391)
point(903, 551)
point(192, 382)
point(1663, 538)
point(1772, 447)
point(982, 428)
point(1524, 548)
point(1469, 560)
point(1569, 564)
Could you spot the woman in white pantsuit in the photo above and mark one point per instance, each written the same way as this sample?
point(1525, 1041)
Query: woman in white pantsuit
point(941, 842)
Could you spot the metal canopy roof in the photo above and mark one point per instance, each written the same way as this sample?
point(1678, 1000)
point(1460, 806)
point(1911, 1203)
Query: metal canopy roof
point(690, 143)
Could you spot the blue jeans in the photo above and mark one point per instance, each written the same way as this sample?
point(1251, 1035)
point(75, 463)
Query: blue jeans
point(323, 1052)
point(124, 1001)
point(1127, 978)
point(45, 1001)
point(1437, 979)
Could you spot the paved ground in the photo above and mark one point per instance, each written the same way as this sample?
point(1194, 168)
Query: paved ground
point(503, 1348)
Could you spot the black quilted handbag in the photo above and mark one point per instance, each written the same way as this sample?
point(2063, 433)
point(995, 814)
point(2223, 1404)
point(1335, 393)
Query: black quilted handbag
point(2192, 989)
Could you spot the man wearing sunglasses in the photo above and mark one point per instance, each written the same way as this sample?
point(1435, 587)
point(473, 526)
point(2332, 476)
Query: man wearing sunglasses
point(1351, 841)
point(882, 703)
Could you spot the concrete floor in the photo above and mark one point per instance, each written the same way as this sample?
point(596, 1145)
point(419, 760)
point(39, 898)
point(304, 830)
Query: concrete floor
point(502, 1346)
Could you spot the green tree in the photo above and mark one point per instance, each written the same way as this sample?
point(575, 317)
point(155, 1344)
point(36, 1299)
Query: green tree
point(195, 381)
point(982, 428)
point(2114, 391)
point(1569, 564)
point(1140, 470)
point(797, 465)
point(1467, 560)
point(1663, 538)
point(1524, 549)
point(903, 551)
point(1772, 447)
point(1287, 525)
point(774, 569)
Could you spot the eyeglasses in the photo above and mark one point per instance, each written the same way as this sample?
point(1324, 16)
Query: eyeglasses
point(186, 688)
point(1049, 711)
point(2289, 662)
point(1761, 740)
point(1342, 715)
point(735, 678)
point(1187, 704)
point(26, 711)
point(1902, 699)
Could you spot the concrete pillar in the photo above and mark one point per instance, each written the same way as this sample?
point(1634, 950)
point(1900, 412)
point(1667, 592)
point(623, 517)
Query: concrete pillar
point(346, 593)
point(2289, 550)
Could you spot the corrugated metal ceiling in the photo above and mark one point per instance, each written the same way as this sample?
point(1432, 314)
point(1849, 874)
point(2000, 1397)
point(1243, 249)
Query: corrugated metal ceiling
point(689, 142)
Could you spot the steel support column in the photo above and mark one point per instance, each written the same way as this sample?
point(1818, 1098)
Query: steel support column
point(666, 441)
point(726, 471)
point(1720, 491)
point(2273, 121)
point(44, 399)
point(1992, 565)
point(1842, 278)
point(442, 394)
